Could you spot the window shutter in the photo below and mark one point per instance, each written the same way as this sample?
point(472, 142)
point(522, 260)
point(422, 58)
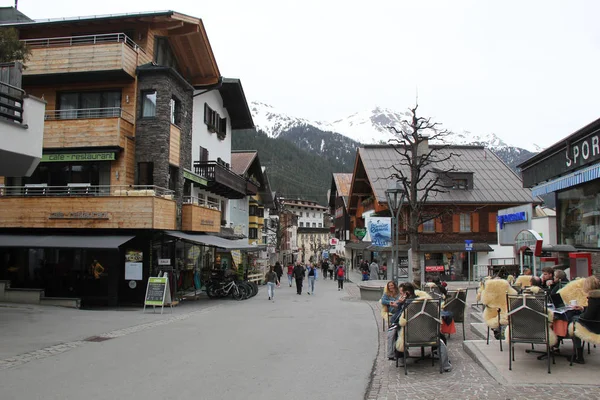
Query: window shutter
point(206, 114)
point(492, 221)
point(475, 222)
point(439, 228)
point(456, 223)
point(420, 229)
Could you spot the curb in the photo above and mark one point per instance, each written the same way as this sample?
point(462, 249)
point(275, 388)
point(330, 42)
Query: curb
point(470, 347)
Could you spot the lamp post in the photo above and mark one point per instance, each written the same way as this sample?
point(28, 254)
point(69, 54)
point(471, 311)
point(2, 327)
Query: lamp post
point(395, 197)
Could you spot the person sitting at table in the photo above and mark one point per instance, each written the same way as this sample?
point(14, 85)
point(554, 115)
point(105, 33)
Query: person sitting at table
point(527, 271)
point(547, 277)
point(560, 281)
point(407, 295)
point(586, 326)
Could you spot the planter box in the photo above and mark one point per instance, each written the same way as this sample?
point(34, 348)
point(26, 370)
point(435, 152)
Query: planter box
point(370, 292)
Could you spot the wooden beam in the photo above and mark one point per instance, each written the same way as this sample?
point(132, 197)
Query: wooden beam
point(361, 180)
point(168, 25)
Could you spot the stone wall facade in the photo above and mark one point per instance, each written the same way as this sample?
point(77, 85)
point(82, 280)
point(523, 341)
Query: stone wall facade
point(153, 133)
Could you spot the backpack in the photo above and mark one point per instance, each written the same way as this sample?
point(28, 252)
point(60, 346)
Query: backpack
point(340, 272)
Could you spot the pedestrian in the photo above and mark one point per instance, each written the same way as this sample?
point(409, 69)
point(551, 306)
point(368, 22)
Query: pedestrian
point(324, 268)
point(331, 272)
point(278, 270)
point(271, 279)
point(290, 273)
point(340, 274)
point(299, 276)
point(374, 270)
point(312, 277)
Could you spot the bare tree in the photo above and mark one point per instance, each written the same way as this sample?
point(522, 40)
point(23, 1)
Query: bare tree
point(420, 170)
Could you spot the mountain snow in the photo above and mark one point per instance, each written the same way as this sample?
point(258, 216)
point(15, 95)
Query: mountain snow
point(369, 127)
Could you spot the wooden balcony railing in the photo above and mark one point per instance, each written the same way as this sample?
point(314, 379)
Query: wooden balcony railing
point(221, 180)
point(89, 53)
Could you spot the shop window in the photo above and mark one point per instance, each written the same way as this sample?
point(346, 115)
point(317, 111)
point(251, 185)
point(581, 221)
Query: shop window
point(465, 222)
point(579, 215)
point(175, 110)
point(253, 233)
point(146, 173)
point(149, 103)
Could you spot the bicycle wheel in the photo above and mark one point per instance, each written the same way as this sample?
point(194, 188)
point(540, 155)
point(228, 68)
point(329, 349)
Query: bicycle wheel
point(237, 293)
point(211, 291)
point(254, 287)
point(250, 289)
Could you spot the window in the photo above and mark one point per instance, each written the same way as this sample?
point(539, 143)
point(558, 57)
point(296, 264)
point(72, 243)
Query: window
point(149, 103)
point(301, 224)
point(429, 226)
point(163, 54)
point(314, 224)
point(175, 107)
point(465, 222)
point(253, 211)
point(173, 175)
point(314, 215)
point(300, 213)
point(145, 173)
point(210, 118)
point(320, 225)
point(61, 174)
point(102, 104)
point(461, 184)
point(253, 233)
point(261, 212)
point(203, 154)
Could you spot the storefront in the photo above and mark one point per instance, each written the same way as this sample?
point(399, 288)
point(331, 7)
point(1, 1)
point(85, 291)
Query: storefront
point(569, 171)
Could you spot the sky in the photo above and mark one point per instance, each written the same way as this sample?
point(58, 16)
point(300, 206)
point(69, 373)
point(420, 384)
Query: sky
point(524, 70)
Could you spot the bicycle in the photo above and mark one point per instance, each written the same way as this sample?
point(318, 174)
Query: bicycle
point(222, 289)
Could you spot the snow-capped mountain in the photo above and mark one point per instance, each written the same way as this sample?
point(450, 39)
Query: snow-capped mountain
point(369, 127)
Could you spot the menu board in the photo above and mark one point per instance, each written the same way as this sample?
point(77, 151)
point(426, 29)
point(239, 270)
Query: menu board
point(157, 292)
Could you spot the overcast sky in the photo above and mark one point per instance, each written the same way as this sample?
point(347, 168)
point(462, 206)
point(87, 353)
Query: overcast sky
point(525, 70)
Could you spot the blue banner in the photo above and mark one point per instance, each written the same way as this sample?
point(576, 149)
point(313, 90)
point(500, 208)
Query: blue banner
point(379, 230)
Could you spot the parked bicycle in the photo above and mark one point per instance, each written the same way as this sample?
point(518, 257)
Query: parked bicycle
point(224, 289)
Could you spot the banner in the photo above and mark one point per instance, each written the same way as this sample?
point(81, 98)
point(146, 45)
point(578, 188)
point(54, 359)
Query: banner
point(236, 255)
point(379, 231)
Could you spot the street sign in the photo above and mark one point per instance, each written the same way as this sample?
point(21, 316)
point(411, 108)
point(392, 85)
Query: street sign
point(468, 245)
point(158, 293)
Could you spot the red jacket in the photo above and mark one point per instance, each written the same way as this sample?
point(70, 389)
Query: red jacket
point(290, 269)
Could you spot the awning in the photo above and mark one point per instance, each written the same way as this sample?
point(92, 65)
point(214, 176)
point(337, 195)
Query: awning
point(358, 245)
point(572, 179)
point(452, 247)
point(559, 248)
point(401, 247)
point(214, 241)
point(64, 241)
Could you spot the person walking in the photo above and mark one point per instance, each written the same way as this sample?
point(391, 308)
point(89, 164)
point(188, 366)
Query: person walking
point(331, 271)
point(278, 270)
point(312, 277)
point(271, 279)
point(290, 273)
point(299, 276)
point(340, 274)
point(373, 271)
point(324, 268)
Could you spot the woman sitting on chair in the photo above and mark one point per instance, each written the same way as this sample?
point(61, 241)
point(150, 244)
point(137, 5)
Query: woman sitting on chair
point(390, 297)
point(587, 321)
point(407, 295)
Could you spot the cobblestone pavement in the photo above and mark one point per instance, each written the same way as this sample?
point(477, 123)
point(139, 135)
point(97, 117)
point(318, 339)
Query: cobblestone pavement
point(467, 380)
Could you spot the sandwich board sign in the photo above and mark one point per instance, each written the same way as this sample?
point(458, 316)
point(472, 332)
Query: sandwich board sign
point(158, 293)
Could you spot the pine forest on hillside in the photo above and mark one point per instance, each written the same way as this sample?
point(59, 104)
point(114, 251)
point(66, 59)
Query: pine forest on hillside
point(292, 172)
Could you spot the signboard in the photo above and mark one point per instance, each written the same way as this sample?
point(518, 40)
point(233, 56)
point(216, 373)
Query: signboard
point(360, 233)
point(509, 218)
point(158, 293)
point(434, 268)
point(107, 156)
point(236, 255)
point(79, 215)
point(164, 261)
point(134, 271)
point(333, 241)
point(468, 245)
point(379, 231)
point(190, 176)
point(325, 255)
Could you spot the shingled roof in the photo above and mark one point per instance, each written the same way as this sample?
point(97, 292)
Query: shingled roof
point(493, 181)
point(241, 161)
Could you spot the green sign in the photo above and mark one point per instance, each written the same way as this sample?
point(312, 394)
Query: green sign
point(78, 157)
point(360, 233)
point(194, 178)
point(156, 290)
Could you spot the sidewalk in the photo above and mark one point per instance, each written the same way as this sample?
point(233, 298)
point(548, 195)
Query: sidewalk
point(467, 380)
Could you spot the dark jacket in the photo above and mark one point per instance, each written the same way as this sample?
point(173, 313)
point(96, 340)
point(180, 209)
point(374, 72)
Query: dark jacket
point(299, 271)
point(278, 269)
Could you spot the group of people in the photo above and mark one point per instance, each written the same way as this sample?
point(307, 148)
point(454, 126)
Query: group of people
point(551, 280)
point(373, 271)
point(298, 272)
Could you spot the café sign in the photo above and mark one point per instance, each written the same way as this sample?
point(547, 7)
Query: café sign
point(510, 218)
point(79, 215)
point(106, 156)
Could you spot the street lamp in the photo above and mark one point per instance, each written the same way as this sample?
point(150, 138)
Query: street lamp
point(395, 197)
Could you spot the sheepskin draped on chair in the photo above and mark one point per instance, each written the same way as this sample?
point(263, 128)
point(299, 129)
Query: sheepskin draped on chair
point(385, 315)
point(587, 327)
point(574, 291)
point(494, 299)
point(529, 322)
point(433, 290)
point(456, 302)
point(523, 281)
point(421, 327)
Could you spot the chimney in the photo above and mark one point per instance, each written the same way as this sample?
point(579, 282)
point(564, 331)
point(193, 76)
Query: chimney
point(423, 147)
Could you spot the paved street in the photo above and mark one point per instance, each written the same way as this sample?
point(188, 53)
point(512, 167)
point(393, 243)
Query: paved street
point(317, 347)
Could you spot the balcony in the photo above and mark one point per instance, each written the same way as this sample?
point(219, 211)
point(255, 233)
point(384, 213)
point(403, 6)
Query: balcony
point(221, 180)
point(106, 56)
point(200, 216)
point(21, 125)
point(90, 127)
point(85, 206)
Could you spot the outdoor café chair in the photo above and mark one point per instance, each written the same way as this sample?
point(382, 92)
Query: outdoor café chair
point(528, 322)
point(421, 327)
point(456, 303)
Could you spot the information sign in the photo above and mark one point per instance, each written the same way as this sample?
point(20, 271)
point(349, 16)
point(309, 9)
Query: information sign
point(158, 293)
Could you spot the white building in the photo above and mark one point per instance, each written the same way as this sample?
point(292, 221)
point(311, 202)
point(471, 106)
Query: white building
point(310, 214)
